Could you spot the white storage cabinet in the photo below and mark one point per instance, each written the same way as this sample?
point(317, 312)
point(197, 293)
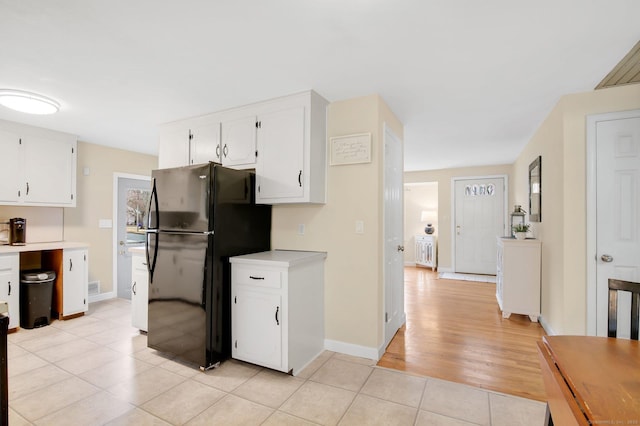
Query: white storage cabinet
point(277, 308)
point(426, 251)
point(518, 277)
point(139, 290)
point(75, 282)
point(10, 286)
point(41, 166)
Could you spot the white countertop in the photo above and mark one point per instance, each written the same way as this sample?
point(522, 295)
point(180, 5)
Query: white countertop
point(5, 249)
point(279, 257)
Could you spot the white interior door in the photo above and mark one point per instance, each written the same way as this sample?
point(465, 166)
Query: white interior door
point(480, 216)
point(132, 197)
point(394, 315)
point(617, 152)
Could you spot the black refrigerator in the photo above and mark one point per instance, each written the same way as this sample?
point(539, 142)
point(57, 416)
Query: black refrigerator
point(198, 217)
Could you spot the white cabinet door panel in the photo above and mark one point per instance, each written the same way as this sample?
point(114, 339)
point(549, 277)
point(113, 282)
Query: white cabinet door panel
point(257, 326)
point(75, 282)
point(49, 171)
point(239, 141)
point(10, 286)
point(10, 172)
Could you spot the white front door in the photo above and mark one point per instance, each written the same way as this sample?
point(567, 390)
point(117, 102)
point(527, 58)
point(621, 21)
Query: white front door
point(479, 218)
point(132, 200)
point(394, 315)
point(617, 252)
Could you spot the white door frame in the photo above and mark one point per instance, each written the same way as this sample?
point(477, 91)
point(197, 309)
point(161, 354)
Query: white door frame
point(114, 228)
point(592, 246)
point(453, 210)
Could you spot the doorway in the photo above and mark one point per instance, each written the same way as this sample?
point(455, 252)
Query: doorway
point(131, 198)
point(480, 212)
point(613, 210)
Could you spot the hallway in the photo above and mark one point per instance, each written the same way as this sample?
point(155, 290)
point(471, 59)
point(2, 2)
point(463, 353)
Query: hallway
point(455, 331)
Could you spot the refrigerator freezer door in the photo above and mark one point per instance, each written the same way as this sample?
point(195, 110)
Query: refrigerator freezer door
point(180, 199)
point(178, 295)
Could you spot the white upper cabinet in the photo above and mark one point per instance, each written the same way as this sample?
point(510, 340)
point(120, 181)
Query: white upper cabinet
point(10, 173)
point(239, 142)
point(292, 151)
point(173, 147)
point(42, 166)
point(283, 139)
point(186, 142)
point(205, 143)
point(49, 171)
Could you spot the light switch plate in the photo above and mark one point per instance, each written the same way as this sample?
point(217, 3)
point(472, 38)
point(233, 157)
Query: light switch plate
point(359, 227)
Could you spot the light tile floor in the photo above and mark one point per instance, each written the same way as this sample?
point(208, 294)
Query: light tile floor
point(97, 370)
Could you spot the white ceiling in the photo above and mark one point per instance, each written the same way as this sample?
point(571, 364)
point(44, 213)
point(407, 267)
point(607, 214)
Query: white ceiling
point(471, 80)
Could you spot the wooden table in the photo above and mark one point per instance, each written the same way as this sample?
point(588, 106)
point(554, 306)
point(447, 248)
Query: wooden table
point(591, 380)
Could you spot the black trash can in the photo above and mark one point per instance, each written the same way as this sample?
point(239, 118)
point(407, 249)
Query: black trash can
point(36, 294)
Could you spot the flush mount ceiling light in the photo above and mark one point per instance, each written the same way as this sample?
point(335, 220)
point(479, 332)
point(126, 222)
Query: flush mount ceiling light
point(28, 102)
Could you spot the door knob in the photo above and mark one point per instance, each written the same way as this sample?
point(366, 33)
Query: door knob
point(121, 243)
point(400, 248)
point(606, 258)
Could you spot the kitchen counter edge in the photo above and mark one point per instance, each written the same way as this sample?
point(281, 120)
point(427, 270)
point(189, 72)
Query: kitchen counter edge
point(57, 245)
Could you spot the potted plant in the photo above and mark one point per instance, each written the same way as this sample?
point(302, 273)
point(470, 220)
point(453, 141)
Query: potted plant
point(520, 230)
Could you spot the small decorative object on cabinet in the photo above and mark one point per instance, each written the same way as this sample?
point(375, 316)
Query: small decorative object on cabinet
point(518, 277)
point(426, 251)
point(520, 231)
point(277, 309)
point(517, 218)
point(139, 288)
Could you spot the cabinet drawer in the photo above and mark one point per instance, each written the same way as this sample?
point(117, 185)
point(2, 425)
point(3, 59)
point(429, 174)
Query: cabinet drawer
point(139, 262)
point(9, 262)
point(256, 277)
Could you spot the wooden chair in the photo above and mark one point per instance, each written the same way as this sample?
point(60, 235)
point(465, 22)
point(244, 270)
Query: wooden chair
point(614, 287)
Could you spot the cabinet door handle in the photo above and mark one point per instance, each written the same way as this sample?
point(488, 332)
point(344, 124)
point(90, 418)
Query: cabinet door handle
point(225, 150)
point(256, 278)
point(70, 264)
point(27, 188)
point(218, 151)
point(9, 289)
point(277, 320)
point(300, 178)
point(133, 288)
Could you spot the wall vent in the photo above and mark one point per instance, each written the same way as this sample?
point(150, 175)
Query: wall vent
point(94, 288)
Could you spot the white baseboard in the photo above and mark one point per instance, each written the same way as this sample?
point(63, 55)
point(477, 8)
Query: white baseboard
point(547, 328)
point(101, 296)
point(351, 349)
point(410, 264)
point(441, 269)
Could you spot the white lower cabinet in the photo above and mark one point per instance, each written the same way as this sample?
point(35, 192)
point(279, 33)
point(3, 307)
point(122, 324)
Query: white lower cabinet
point(518, 277)
point(277, 308)
point(426, 251)
point(139, 291)
point(10, 286)
point(75, 282)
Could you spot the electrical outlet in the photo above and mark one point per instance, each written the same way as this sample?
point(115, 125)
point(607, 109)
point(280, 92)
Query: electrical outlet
point(301, 229)
point(359, 227)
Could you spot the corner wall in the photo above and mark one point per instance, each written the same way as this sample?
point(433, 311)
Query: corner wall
point(95, 201)
point(561, 141)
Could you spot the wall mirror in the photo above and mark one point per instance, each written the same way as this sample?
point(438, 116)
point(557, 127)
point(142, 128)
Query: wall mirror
point(535, 190)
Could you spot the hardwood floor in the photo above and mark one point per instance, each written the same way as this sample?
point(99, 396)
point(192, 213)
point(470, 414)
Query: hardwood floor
point(455, 331)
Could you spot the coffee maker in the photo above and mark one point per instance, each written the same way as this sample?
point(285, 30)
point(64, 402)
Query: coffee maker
point(17, 231)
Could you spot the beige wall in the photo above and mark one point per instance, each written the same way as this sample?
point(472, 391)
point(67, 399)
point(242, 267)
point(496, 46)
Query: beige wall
point(353, 269)
point(95, 202)
point(561, 140)
point(443, 177)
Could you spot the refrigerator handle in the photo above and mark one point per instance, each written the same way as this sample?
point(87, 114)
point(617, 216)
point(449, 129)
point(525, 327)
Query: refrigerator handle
point(151, 263)
point(153, 200)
